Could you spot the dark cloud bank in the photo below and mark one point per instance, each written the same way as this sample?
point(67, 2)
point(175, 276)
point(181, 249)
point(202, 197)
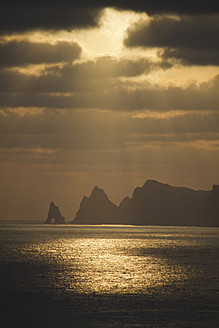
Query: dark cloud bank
point(22, 53)
point(26, 15)
point(192, 39)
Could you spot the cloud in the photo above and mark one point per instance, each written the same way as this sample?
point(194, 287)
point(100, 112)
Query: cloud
point(106, 67)
point(109, 67)
point(169, 6)
point(21, 53)
point(91, 75)
point(64, 90)
point(24, 15)
point(63, 153)
point(192, 39)
point(20, 16)
point(47, 130)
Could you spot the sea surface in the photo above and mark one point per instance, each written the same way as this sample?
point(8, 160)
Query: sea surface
point(108, 276)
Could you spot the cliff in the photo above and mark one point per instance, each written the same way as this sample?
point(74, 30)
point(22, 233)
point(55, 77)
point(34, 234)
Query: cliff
point(209, 210)
point(156, 203)
point(54, 215)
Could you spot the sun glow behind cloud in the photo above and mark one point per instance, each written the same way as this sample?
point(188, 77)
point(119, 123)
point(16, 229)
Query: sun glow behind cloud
point(105, 39)
point(108, 38)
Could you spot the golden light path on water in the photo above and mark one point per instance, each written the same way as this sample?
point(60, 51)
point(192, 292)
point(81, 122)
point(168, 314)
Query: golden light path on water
point(112, 265)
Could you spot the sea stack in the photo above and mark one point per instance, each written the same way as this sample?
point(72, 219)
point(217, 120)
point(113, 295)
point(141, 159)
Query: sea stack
point(54, 215)
point(97, 209)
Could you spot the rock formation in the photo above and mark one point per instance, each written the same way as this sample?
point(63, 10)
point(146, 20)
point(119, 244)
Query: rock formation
point(154, 203)
point(54, 215)
point(97, 209)
point(209, 210)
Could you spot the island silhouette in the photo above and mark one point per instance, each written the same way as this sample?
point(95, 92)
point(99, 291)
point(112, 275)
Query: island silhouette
point(154, 203)
point(54, 215)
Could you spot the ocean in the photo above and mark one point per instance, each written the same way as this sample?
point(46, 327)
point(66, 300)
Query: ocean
point(108, 276)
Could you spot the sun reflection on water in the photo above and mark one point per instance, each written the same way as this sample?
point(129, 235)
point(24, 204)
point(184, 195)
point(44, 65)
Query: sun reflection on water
point(104, 265)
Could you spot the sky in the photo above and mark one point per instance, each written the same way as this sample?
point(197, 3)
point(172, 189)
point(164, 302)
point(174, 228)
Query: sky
point(107, 93)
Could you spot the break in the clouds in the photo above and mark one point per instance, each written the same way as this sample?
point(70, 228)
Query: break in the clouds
point(22, 53)
point(192, 39)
